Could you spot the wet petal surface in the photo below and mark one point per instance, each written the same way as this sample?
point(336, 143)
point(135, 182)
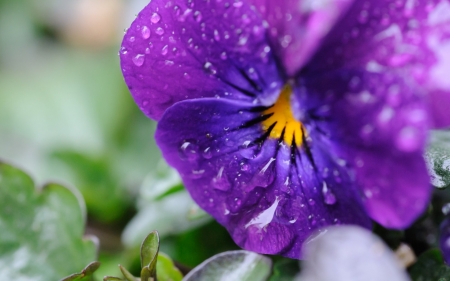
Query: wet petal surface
point(270, 196)
point(177, 50)
point(297, 27)
point(409, 39)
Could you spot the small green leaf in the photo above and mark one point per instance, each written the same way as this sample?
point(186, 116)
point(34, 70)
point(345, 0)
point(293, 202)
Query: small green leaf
point(167, 270)
point(438, 159)
point(112, 278)
point(149, 254)
point(86, 274)
point(285, 270)
point(41, 230)
point(430, 267)
point(233, 265)
point(128, 276)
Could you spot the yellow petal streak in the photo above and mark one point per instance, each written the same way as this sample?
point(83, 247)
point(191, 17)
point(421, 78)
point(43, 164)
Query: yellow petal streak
point(282, 115)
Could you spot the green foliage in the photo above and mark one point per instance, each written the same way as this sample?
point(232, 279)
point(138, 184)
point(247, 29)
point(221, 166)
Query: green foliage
point(285, 270)
point(233, 265)
point(430, 267)
point(86, 274)
point(41, 230)
point(438, 158)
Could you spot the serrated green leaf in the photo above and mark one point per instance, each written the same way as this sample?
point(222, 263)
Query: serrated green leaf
point(430, 267)
point(41, 231)
point(438, 158)
point(166, 269)
point(86, 274)
point(233, 265)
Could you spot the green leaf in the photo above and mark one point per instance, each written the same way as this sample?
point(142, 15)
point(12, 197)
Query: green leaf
point(86, 274)
point(128, 276)
point(166, 269)
point(41, 230)
point(149, 254)
point(233, 265)
point(430, 267)
point(112, 278)
point(438, 158)
point(285, 270)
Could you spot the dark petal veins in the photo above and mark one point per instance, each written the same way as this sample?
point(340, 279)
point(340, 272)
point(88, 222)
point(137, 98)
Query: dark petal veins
point(177, 50)
point(267, 194)
point(297, 27)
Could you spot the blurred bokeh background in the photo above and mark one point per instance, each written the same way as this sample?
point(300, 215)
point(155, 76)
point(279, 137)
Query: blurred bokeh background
point(66, 116)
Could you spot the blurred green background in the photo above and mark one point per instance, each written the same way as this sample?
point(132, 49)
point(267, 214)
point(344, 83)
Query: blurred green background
point(66, 116)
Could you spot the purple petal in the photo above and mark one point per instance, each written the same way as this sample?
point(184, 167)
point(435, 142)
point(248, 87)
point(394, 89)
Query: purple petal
point(177, 50)
point(377, 123)
point(268, 195)
point(410, 38)
point(297, 27)
point(444, 240)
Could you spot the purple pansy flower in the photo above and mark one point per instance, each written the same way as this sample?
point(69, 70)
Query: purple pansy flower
point(286, 116)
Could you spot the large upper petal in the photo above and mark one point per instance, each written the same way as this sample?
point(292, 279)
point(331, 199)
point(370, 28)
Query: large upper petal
point(407, 38)
point(177, 50)
point(269, 195)
point(296, 27)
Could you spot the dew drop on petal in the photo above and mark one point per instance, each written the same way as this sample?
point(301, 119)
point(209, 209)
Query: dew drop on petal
point(132, 39)
point(223, 55)
point(189, 151)
point(165, 50)
point(139, 59)
point(265, 176)
point(159, 31)
point(220, 181)
point(408, 139)
point(145, 31)
point(155, 18)
point(207, 153)
point(328, 196)
point(311, 202)
point(197, 16)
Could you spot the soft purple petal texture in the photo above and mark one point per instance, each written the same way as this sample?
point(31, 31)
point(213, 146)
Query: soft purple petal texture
point(269, 196)
point(377, 122)
point(444, 239)
point(297, 27)
point(409, 39)
point(177, 50)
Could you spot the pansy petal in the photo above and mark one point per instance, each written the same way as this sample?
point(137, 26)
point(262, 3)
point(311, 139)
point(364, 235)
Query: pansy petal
point(177, 50)
point(411, 37)
point(297, 27)
point(444, 240)
point(269, 195)
point(377, 122)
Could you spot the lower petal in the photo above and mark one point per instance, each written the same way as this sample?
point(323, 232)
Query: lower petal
point(269, 195)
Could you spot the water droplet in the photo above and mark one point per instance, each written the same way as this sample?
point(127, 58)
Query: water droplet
point(220, 181)
point(223, 55)
point(177, 10)
point(139, 59)
point(197, 16)
point(159, 31)
point(189, 151)
point(164, 50)
point(155, 18)
point(210, 68)
point(145, 31)
point(197, 174)
point(216, 35)
point(132, 39)
point(311, 202)
point(408, 139)
point(446, 209)
point(265, 176)
point(207, 153)
point(328, 196)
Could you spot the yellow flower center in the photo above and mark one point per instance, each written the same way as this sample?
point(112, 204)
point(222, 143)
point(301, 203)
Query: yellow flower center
point(285, 124)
